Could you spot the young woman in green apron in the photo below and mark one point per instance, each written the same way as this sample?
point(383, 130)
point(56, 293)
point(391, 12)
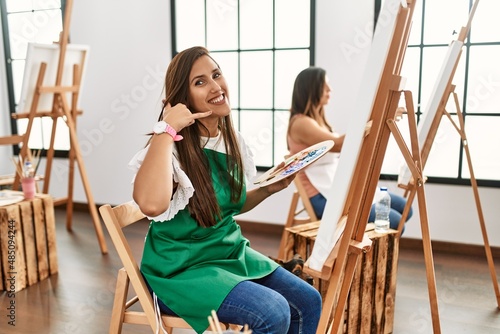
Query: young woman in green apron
point(190, 181)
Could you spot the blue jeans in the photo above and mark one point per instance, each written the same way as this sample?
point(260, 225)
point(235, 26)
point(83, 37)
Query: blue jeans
point(398, 204)
point(279, 303)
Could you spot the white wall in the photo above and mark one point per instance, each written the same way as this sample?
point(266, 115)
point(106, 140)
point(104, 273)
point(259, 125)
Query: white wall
point(130, 50)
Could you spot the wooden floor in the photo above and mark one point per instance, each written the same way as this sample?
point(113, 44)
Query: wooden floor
point(79, 298)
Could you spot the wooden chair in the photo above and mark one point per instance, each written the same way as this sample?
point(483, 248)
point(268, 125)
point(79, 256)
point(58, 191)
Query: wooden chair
point(295, 217)
point(115, 220)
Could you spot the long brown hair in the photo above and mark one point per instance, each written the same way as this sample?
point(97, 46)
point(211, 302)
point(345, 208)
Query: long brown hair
point(203, 205)
point(307, 92)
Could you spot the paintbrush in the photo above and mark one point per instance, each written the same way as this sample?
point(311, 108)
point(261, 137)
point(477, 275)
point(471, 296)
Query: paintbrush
point(19, 169)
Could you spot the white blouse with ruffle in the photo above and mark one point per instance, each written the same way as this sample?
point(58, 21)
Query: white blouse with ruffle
point(185, 188)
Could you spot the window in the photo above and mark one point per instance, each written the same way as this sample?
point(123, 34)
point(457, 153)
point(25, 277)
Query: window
point(25, 21)
point(261, 46)
point(477, 81)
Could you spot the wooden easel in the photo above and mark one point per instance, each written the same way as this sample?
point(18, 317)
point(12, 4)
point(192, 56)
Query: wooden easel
point(427, 145)
point(61, 109)
point(340, 265)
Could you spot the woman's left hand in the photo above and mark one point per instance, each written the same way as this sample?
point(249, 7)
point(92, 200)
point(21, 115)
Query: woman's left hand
point(279, 185)
point(258, 194)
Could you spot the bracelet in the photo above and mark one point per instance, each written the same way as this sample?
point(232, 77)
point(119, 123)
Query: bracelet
point(171, 131)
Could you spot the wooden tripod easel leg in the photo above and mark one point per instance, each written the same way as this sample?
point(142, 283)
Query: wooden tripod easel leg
point(34, 104)
point(49, 157)
point(406, 211)
point(72, 155)
point(71, 178)
point(346, 254)
point(325, 324)
point(414, 162)
point(475, 190)
point(429, 261)
point(338, 316)
point(83, 173)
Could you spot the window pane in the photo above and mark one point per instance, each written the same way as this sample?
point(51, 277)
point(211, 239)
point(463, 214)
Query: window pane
point(484, 80)
point(235, 115)
point(443, 18)
point(484, 23)
point(228, 62)
point(444, 155)
point(292, 23)
point(280, 128)
point(256, 127)
point(288, 66)
point(256, 86)
point(39, 27)
point(46, 4)
point(410, 71)
point(416, 26)
point(18, 5)
point(222, 25)
point(484, 140)
point(256, 24)
point(189, 32)
point(24, 5)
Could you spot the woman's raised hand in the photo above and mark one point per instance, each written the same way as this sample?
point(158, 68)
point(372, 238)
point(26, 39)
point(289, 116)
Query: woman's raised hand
point(179, 116)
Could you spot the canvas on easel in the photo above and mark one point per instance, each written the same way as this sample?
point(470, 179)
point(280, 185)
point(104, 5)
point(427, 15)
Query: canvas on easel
point(37, 53)
point(341, 235)
point(45, 114)
point(51, 87)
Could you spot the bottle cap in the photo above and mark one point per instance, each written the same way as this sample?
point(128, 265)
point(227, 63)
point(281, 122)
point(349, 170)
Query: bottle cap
point(383, 188)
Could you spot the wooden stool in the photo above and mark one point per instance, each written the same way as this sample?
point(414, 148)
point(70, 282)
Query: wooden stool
point(27, 242)
point(370, 305)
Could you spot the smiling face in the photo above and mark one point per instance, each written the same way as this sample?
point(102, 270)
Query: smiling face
point(208, 88)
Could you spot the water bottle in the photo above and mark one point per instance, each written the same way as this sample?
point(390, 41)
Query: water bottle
point(382, 209)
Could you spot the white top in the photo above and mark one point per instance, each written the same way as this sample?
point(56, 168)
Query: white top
point(321, 172)
point(185, 188)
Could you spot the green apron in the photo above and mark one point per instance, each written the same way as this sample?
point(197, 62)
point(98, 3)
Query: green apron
point(192, 269)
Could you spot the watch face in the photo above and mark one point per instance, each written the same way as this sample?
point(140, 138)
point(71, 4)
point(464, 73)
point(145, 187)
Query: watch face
point(160, 127)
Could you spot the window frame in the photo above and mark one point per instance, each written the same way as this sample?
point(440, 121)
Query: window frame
point(238, 109)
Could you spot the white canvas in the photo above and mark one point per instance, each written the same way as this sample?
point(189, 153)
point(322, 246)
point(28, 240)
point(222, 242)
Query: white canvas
point(443, 80)
point(326, 237)
point(49, 54)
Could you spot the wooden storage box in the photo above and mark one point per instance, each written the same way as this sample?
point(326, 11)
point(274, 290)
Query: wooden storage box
point(370, 305)
point(27, 243)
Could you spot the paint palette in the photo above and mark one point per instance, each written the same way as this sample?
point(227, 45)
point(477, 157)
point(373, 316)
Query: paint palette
point(8, 197)
point(294, 163)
